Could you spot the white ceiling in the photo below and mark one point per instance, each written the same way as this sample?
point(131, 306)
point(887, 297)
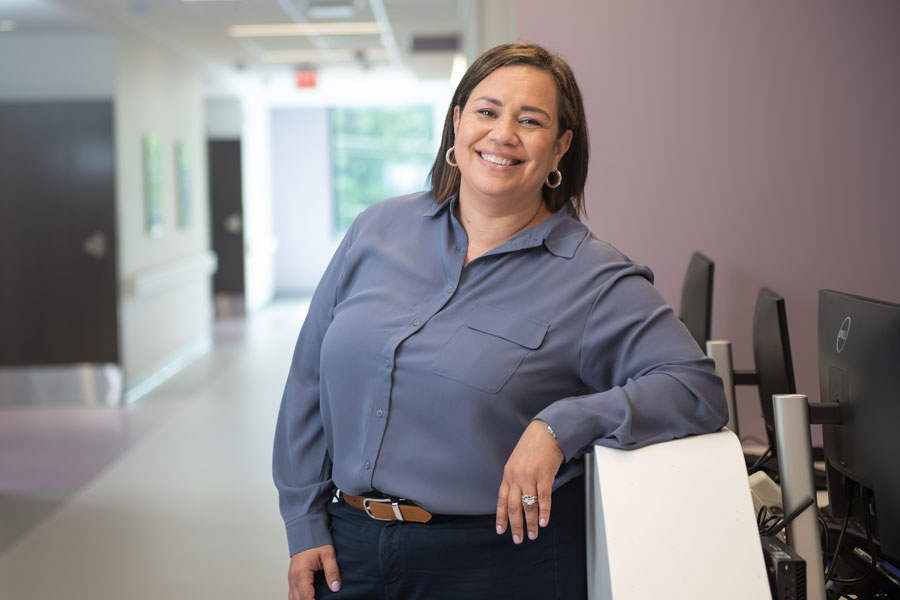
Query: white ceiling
point(39, 16)
point(201, 27)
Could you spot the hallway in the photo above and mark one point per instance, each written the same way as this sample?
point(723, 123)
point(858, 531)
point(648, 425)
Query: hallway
point(170, 497)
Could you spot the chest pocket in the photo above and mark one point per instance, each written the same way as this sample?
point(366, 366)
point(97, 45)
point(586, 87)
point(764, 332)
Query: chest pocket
point(489, 347)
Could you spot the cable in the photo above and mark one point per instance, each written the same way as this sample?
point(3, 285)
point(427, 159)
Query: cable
point(764, 520)
point(789, 517)
point(840, 540)
point(825, 535)
point(837, 548)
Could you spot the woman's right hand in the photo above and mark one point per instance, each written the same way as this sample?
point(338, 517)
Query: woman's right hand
point(303, 569)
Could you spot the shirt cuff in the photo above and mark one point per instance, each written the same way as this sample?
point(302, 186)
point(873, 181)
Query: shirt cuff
point(570, 433)
point(308, 531)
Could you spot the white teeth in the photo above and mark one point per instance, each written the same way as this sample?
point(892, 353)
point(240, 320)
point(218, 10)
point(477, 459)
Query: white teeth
point(497, 160)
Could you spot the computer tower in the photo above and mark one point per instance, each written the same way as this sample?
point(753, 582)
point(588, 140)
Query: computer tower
point(787, 571)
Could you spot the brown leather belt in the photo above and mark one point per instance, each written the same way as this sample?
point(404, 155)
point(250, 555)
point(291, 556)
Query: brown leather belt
point(388, 509)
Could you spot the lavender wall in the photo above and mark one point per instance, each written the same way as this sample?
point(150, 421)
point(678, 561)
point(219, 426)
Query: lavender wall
point(765, 134)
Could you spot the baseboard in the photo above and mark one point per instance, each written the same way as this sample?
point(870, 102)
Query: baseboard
point(153, 378)
point(80, 384)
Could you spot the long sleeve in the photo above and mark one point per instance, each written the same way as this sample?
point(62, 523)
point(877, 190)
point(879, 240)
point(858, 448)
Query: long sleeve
point(653, 383)
point(301, 464)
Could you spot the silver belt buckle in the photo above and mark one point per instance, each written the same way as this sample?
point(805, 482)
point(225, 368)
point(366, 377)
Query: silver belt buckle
point(392, 501)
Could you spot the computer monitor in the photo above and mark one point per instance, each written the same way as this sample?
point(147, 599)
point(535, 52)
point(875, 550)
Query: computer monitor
point(859, 367)
point(772, 355)
point(696, 298)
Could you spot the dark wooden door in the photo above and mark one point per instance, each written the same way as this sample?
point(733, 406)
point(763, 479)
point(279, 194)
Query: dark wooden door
point(227, 214)
point(58, 291)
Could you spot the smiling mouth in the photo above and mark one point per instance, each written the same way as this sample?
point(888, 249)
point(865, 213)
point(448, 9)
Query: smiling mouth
point(499, 160)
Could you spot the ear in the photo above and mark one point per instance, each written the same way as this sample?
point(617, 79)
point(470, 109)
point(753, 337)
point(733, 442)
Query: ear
point(562, 146)
point(456, 119)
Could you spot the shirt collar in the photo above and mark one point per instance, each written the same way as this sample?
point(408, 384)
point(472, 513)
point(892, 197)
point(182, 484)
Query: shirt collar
point(564, 233)
point(560, 233)
point(436, 208)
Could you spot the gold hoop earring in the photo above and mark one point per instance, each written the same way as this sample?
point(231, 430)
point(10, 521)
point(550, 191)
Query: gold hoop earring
point(558, 180)
point(452, 162)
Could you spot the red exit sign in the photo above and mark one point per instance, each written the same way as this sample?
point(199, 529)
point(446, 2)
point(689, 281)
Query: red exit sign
point(305, 79)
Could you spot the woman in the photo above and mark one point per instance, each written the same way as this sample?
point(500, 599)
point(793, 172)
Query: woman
point(464, 349)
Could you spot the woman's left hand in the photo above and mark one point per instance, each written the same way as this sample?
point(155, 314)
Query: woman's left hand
point(530, 470)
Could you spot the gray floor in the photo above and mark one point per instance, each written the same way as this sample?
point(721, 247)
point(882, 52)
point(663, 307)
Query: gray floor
point(170, 497)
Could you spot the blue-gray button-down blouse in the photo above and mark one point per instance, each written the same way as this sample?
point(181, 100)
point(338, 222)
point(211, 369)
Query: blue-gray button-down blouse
point(415, 375)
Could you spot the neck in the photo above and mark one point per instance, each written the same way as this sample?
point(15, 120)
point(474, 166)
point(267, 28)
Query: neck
point(487, 229)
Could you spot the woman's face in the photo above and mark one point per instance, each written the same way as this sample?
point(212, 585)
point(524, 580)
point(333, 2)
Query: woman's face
point(507, 136)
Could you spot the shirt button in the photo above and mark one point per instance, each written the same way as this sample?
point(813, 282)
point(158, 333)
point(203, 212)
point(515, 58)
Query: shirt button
point(379, 413)
point(449, 289)
point(368, 465)
point(416, 322)
point(387, 362)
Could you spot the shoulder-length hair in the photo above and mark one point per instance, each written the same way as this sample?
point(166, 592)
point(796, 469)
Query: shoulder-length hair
point(574, 164)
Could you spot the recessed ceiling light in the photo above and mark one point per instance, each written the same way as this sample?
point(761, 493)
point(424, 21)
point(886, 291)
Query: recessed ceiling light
point(332, 55)
point(7, 25)
point(341, 11)
point(324, 10)
point(294, 29)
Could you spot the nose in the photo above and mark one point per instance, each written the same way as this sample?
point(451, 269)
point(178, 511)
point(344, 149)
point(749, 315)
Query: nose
point(504, 131)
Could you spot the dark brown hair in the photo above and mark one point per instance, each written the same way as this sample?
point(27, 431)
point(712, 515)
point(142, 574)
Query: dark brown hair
point(574, 163)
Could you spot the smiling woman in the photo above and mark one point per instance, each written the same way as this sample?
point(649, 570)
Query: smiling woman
point(508, 140)
point(465, 348)
point(547, 75)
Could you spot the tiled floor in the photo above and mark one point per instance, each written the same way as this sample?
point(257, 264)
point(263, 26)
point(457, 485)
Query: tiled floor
point(170, 497)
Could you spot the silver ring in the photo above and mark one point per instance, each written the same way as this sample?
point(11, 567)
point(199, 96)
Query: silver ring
point(528, 500)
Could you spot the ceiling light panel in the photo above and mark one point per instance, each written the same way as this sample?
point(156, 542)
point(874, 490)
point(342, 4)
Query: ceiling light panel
point(305, 29)
point(333, 55)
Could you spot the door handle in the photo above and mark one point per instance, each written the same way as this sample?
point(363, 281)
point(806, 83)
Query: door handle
point(233, 223)
point(95, 245)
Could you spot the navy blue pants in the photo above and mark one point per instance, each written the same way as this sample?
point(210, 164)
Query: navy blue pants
point(459, 557)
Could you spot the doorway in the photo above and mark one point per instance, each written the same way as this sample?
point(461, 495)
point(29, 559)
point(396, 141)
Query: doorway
point(227, 226)
point(58, 283)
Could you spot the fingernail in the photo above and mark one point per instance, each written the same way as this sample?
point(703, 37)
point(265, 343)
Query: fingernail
point(499, 530)
point(335, 586)
point(531, 535)
point(517, 539)
point(543, 522)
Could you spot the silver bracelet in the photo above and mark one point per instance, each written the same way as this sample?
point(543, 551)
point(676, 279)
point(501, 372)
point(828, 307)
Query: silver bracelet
point(550, 431)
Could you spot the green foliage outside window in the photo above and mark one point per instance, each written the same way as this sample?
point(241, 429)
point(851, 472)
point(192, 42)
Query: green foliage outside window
point(378, 153)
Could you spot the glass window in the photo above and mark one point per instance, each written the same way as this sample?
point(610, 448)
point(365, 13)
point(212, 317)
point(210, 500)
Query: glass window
point(378, 153)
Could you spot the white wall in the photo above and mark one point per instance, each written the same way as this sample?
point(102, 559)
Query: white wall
point(160, 93)
point(765, 134)
point(260, 242)
point(485, 24)
point(57, 67)
point(224, 118)
point(302, 196)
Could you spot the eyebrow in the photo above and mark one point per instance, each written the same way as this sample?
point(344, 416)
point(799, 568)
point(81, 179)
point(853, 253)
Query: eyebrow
point(524, 108)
